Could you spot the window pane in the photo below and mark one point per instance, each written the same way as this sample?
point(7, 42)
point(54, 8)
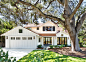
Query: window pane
point(39, 39)
point(37, 28)
point(12, 38)
point(62, 40)
point(20, 30)
point(17, 38)
point(29, 38)
point(65, 40)
point(6, 37)
point(24, 38)
point(49, 28)
point(58, 40)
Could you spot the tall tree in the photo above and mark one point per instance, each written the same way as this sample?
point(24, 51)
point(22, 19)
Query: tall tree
point(49, 9)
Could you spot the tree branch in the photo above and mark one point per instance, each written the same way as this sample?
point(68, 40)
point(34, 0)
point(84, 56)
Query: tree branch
point(60, 2)
point(77, 7)
point(36, 3)
point(49, 4)
point(29, 9)
point(80, 15)
point(80, 22)
point(40, 12)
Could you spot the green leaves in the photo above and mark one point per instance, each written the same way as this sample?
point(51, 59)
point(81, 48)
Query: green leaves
point(5, 26)
point(4, 57)
point(48, 56)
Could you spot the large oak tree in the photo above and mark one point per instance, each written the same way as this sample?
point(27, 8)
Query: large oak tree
point(49, 9)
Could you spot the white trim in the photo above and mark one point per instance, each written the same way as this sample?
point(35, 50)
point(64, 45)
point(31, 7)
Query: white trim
point(5, 34)
point(52, 41)
point(42, 42)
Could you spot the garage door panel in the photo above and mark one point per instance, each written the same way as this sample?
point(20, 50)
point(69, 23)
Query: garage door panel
point(22, 43)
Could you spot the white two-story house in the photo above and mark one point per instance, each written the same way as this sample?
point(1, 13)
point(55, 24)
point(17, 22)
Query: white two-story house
point(32, 35)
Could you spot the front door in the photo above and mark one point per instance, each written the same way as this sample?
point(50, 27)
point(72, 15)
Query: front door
point(47, 40)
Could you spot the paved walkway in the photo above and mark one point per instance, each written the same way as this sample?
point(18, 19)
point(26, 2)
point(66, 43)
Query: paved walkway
point(18, 53)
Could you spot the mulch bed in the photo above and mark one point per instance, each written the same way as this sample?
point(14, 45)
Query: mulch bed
point(67, 51)
point(39, 48)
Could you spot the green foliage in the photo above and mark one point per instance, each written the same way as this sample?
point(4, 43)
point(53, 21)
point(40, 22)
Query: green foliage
point(65, 45)
point(5, 26)
point(61, 46)
point(80, 44)
point(51, 46)
point(82, 32)
point(39, 46)
point(4, 57)
point(48, 56)
point(55, 46)
point(85, 43)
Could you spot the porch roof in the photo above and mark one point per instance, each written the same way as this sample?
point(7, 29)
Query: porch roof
point(47, 34)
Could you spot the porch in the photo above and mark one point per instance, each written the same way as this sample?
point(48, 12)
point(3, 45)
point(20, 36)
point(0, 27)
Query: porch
point(46, 41)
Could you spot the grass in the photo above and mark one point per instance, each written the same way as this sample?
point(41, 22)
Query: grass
point(84, 46)
point(49, 56)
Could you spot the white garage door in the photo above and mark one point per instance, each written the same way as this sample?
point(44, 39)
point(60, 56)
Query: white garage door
point(22, 42)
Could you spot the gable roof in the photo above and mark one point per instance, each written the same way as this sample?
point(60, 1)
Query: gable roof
point(63, 32)
point(47, 34)
point(33, 25)
point(14, 29)
point(40, 24)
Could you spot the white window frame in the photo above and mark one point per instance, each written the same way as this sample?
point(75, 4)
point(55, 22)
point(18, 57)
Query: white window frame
point(17, 38)
point(29, 38)
point(24, 37)
point(12, 38)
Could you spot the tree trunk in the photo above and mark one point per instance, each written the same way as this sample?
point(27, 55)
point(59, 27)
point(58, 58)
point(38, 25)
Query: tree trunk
point(77, 48)
point(74, 42)
point(72, 46)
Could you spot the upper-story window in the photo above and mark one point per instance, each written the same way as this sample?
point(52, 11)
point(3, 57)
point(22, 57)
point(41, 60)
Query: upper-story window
point(48, 28)
point(20, 30)
point(37, 28)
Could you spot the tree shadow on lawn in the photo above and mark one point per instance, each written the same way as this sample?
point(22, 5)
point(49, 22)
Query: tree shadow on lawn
point(42, 55)
point(46, 55)
point(67, 51)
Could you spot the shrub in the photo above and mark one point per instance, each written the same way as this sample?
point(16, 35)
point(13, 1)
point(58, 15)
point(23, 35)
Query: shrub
point(55, 46)
point(80, 44)
point(65, 45)
point(61, 46)
point(4, 57)
point(39, 46)
point(85, 43)
point(51, 46)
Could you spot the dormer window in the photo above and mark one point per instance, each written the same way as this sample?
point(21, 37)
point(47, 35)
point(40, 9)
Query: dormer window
point(20, 30)
point(37, 28)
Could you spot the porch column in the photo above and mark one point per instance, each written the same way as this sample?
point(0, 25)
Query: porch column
point(52, 40)
point(42, 41)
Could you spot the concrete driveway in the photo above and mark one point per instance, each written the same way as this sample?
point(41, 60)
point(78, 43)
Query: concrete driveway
point(18, 53)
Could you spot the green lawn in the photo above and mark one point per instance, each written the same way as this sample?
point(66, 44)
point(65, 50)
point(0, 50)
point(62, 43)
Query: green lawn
point(48, 56)
point(84, 46)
